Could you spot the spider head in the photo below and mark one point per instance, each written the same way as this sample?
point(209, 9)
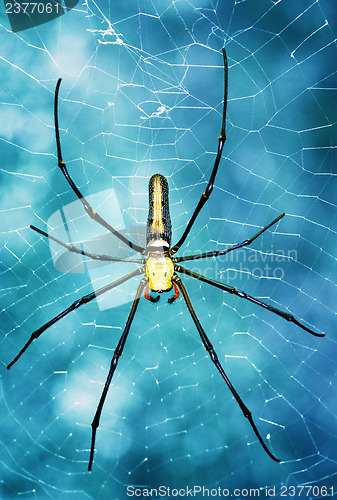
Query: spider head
point(159, 270)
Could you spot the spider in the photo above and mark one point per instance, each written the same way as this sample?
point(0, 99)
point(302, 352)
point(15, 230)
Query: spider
point(159, 267)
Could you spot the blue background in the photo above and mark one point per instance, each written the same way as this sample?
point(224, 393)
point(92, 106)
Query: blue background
point(142, 93)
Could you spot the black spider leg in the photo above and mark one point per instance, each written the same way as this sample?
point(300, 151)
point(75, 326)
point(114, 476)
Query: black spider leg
point(84, 300)
point(216, 253)
point(209, 348)
point(244, 295)
point(87, 207)
point(117, 354)
point(93, 256)
point(222, 138)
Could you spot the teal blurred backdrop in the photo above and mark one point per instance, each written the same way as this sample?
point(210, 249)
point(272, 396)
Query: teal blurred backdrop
point(142, 90)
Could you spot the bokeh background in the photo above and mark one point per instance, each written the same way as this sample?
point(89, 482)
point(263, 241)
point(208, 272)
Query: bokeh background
point(142, 93)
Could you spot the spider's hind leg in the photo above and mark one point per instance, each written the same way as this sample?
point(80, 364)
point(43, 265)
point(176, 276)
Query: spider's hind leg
point(87, 207)
point(221, 142)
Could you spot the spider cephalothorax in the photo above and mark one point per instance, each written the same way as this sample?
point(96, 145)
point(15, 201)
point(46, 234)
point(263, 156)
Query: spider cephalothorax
point(159, 269)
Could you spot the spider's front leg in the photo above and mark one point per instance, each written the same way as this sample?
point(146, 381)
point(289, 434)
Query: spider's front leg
point(210, 349)
point(117, 354)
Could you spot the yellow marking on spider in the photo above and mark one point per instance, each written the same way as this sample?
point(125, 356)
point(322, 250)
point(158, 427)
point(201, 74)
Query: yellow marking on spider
point(159, 270)
point(157, 224)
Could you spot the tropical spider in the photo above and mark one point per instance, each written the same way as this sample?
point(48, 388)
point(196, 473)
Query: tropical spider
point(158, 267)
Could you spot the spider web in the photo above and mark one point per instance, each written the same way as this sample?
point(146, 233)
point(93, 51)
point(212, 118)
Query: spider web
point(142, 93)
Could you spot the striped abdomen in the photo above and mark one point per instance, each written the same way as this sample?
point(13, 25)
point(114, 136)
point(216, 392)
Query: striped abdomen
point(159, 230)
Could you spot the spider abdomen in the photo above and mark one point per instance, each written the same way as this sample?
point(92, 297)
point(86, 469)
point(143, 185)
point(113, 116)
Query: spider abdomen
point(159, 229)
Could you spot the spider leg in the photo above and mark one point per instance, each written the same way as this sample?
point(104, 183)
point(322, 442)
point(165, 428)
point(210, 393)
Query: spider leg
point(216, 253)
point(84, 300)
point(209, 348)
point(222, 138)
point(244, 295)
point(117, 354)
point(93, 256)
point(87, 207)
